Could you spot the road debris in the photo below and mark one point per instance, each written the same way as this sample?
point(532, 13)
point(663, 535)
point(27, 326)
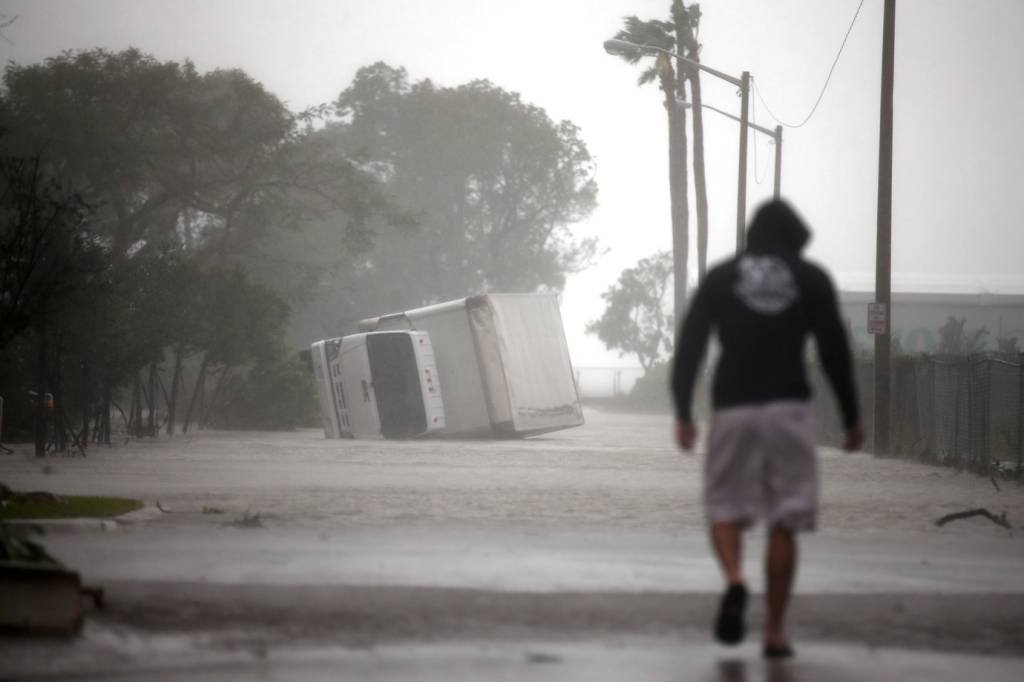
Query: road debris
point(956, 516)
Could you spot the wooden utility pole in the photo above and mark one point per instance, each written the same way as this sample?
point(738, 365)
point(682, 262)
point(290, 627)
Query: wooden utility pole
point(883, 256)
point(741, 185)
point(777, 136)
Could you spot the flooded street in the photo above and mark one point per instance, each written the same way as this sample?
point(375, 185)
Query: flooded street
point(618, 471)
point(285, 552)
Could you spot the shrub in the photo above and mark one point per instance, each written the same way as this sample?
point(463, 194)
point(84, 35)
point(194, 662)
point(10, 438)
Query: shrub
point(273, 395)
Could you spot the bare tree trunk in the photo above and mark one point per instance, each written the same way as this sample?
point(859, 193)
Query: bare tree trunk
point(699, 182)
point(685, 38)
point(135, 410)
point(97, 422)
point(108, 398)
point(196, 393)
point(41, 416)
point(127, 420)
point(213, 398)
point(201, 417)
point(677, 174)
point(60, 440)
point(151, 428)
point(172, 402)
point(85, 395)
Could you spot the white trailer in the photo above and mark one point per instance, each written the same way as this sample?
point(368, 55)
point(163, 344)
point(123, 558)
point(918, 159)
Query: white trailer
point(502, 360)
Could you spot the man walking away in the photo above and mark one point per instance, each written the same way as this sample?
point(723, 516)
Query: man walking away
point(761, 461)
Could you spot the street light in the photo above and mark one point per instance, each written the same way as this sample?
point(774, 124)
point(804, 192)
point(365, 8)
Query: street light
point(618, 47)
point(776, 135)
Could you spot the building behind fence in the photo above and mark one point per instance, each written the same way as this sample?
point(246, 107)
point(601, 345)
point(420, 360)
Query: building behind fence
point(961, 411)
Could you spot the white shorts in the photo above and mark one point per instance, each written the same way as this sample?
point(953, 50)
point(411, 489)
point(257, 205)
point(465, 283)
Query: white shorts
point(762, 464)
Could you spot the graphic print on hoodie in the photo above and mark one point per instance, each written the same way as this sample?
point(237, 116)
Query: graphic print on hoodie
point(766, 284)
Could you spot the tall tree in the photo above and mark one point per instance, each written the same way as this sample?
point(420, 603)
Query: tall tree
point(44, 244)
point(178, 159)
point(636, 318)
point(183, 171)
point(660, 34)
point(241, 322)
point(101, 118)
point(687, 23)
point(493, 182)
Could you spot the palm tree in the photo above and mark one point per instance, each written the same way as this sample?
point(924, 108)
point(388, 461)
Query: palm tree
point(660, 34)
point(687, 23)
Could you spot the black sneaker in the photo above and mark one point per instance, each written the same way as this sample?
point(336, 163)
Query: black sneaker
point(784, 651)
point(730, 628)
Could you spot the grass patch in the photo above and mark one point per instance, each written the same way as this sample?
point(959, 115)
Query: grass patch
point(22, 506)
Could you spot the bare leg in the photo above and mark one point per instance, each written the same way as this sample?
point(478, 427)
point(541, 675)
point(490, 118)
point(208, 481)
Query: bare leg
point(726, 538)
point(780, 567)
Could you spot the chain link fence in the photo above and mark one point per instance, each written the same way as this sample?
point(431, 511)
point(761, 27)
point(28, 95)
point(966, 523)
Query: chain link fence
point(596, 383)
point(961, 411)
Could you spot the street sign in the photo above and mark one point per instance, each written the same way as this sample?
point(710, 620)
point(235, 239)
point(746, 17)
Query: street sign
point(877, 318)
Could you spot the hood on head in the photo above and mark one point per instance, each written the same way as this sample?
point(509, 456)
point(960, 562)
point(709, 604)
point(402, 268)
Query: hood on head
point(776, 227)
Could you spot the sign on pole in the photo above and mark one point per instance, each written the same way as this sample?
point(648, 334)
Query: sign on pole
point(878, 318)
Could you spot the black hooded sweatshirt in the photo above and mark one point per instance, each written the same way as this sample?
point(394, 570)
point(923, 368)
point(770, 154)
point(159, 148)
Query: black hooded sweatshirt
point(763, 304)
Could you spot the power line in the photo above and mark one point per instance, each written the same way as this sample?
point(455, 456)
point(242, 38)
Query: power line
point(823, 88)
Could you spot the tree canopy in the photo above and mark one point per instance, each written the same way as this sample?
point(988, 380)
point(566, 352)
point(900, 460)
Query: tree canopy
point(161, 226)
point(493, 183)
point(635, 319)
point(677, 34)
point(137, 199)
point(43, 244)
point(176, 159)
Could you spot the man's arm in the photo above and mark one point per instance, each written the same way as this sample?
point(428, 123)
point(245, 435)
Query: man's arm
point(834, 352)
point(690, 346)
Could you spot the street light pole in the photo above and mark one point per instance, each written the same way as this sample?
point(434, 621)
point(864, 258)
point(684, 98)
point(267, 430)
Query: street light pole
point(618, 47)
point(778, 160)
point(775, 134)
point(741, 187)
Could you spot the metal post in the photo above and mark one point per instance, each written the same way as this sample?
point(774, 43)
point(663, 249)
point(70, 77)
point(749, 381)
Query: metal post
point(776, 135)
point(741, 189)
point(883, 257)
point(1020, 415)
point(778, 160)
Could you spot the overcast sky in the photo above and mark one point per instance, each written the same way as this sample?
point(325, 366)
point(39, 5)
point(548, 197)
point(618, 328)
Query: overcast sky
point(958, 158)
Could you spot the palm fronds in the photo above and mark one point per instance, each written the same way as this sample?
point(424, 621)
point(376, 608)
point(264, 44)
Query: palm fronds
point(653, 33)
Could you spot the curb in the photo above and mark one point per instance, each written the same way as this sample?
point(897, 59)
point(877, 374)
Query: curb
point(110, 523)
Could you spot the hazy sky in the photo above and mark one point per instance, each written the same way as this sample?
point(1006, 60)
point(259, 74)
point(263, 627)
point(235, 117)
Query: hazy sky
point(959, 151)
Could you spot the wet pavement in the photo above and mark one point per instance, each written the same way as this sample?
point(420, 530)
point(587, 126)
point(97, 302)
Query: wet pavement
point(593, 661)
point(580, 555)
point(493, 557)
